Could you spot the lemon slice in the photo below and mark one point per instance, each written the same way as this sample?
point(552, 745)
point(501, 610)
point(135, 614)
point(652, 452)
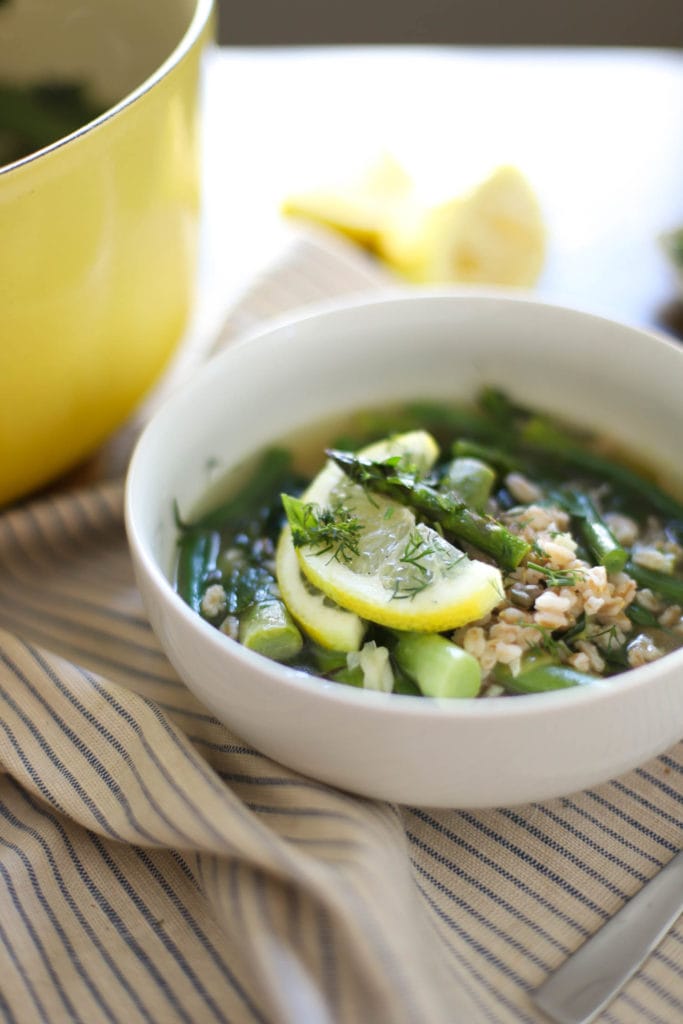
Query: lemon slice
point(319, 617)
point(494, 234)
point(356, 208)
point(402, 574)
point(328, 624)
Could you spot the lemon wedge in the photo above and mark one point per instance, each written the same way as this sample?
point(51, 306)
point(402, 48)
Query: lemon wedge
point(358, 208)
point(399, 573)
point(494, 234)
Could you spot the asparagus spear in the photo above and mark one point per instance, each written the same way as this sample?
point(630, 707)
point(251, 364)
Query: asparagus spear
point(268, 628)
point(438, 667)
point(468, 480)
point(482, 532)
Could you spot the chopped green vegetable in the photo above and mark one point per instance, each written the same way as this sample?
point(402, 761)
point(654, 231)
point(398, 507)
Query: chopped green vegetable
point(469, 481)
point(438, 667)
point(197, 553)
point(269, 629)
point(482, 532)
point(670, 587)
point(540, 435)
point(542, 678)
point(597, 536)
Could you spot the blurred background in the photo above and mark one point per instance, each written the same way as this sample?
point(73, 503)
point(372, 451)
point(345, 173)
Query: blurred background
point(657, 23)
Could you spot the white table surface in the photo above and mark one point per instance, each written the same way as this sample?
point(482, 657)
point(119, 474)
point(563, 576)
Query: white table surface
point(598, 132)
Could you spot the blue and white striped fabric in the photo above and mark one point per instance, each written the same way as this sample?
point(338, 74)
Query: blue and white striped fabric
point(154, 868)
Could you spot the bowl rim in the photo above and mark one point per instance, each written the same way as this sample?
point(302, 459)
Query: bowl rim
point(200, 17)
point(408, 292)
point(397, 705)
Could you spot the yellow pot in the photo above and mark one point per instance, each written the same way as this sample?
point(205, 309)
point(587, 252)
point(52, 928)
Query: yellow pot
point(98, 231)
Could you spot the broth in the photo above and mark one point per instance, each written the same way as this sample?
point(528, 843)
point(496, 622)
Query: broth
point(587, 550)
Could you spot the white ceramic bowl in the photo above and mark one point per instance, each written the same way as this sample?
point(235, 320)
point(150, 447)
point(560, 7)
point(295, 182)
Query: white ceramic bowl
point(444, 345)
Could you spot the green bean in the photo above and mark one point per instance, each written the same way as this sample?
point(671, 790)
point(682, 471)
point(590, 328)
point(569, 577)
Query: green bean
point(597, 536)
point(640, 616)
point(542, 436)
point(482, 532)
point(197, 552)
point(438, 667)
point(468, 480)
point(443, 421)
point(496, 457)
point(265, 484)
point(499, 407)
point(668, 587)
point(449, 421)
point(269, 629)
point(541, 678)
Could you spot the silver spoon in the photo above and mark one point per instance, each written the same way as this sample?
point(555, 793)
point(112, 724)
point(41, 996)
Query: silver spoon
point(590, 978)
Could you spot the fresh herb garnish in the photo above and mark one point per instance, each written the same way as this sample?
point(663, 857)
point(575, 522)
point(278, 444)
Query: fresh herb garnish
point(546, 641)
point(414, 555)
point(327, 530)
point(610, 636)
point(557, 577)
point(417, 549)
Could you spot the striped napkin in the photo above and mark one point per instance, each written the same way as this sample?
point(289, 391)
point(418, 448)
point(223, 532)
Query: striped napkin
point(156, 868)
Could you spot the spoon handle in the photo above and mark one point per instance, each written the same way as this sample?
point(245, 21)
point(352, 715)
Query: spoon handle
point(584, 984)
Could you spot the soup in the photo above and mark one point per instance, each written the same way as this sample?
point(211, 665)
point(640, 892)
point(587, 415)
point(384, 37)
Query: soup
point(443, 551)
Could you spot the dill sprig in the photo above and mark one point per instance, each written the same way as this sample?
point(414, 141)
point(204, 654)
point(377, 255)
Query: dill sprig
point(546, 641)
point(417, 549)
point(557, 577)
point(326, 530)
